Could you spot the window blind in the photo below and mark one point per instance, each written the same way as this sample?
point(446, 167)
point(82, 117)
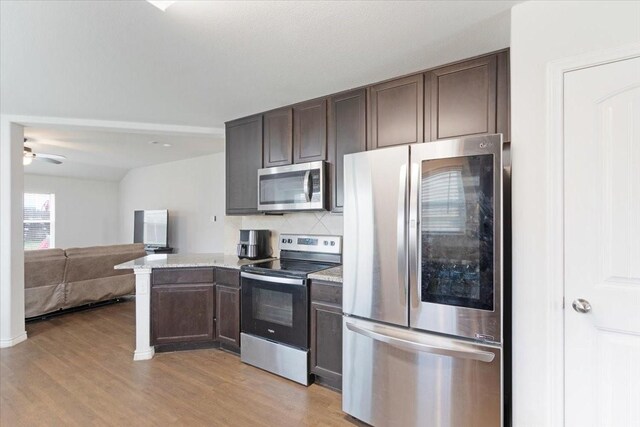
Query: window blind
point(39, 221)
point(443, 202)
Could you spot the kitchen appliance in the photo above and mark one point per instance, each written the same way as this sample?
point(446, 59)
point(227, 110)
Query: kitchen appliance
point(425, 311)
point(275, 304)
point(300, 187)
point(254, 244)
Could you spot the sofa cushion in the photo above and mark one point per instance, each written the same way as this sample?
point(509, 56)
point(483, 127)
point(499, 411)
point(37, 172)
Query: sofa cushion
point(98, 261)
point(44, 267)
point(95, 290)
point(43, 299)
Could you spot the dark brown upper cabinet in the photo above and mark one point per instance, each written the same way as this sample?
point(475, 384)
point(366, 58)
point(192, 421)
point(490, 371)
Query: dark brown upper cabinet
point(471, 97)
point(347, 134)
point(243, 159)
point(468, 98)
point(396, 112)
point(310, 131)
point(278, 143)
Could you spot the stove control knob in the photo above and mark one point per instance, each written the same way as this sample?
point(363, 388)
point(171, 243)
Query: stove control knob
point(326, 243)
point(284, 240)
point(289, 241)
point(333, 243)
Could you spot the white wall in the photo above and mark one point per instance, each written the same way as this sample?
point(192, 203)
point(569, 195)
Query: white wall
point(192, 190)
point(12, 329)
point(542, 32)
point(86, 211)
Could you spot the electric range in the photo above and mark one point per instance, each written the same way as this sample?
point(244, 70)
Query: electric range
point(275, 304)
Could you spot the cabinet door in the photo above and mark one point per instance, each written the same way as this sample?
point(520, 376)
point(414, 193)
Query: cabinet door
point(463, 99)
point(228, 316)
point(326, 343)
point(182, 313)
point(396, 112)
point(278, 133)
point(347, 134)
point(310, 131)
point(243, 159)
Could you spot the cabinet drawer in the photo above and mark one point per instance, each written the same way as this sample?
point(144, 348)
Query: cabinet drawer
point(326, 292)
point(166, 276)
point(228, 277)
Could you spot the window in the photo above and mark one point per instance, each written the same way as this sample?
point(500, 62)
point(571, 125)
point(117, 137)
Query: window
point(39, 221)
point(443, 202)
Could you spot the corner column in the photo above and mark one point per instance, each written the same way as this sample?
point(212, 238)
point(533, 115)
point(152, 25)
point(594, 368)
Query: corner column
point(12, 327)
point(144, 349)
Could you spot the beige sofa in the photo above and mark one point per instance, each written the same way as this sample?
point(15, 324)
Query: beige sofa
point(57, 279)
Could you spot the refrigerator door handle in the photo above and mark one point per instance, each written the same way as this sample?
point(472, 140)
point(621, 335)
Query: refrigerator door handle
point(414, 234)
point(479, 355)
point(401, 230)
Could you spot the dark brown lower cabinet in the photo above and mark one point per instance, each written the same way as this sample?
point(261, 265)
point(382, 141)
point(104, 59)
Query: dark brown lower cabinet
point(195, 307)
point(182, 313)
point(228, 317)
point(326, 333)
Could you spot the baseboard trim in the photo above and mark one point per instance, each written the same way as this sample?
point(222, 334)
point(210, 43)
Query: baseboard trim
point(13, 341)
point(144, 354)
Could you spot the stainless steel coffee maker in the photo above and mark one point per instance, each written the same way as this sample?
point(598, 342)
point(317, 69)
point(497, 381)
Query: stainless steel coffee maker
point(254, 244)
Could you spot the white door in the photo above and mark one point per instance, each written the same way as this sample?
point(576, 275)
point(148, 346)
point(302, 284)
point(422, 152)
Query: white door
point(602, 244)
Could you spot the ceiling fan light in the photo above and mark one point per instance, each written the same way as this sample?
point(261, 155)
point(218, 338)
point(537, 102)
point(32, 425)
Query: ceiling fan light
point(27, 156)
point(161, 4)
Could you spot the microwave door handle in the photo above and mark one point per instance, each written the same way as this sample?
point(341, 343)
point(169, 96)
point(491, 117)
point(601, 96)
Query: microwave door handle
point(401, 343)
point(308, 187)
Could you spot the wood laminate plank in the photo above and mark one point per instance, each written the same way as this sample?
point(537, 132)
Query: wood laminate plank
point(77, 370)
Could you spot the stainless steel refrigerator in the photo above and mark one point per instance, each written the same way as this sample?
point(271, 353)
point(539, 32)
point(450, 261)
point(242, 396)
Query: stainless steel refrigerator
point(424, 284)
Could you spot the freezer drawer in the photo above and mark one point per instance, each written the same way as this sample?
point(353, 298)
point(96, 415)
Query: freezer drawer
point(397, 377)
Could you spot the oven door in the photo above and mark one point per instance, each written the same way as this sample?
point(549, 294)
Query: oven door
point(455, 231)
point(291, 188)
point(275, 308)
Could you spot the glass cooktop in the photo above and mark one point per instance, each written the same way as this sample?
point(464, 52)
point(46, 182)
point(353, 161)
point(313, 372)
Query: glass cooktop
point(287, 267)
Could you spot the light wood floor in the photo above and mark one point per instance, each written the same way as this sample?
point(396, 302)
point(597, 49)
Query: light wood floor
point(77, 370)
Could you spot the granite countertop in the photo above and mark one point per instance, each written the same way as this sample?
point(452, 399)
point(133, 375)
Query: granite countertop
point(186, 260)
point(329, 275)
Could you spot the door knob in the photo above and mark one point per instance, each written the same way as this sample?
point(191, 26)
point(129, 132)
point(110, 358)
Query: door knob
point(581, 305)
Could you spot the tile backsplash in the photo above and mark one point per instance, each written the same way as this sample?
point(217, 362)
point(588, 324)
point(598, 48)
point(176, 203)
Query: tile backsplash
point(299, 223)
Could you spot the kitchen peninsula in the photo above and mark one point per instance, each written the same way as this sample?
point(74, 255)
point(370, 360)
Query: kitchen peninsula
point(196, 299)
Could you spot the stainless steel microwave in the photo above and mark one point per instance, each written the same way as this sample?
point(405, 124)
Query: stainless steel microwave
point(300, 187)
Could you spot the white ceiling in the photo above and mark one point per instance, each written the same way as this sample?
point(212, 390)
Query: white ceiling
point(109, 155)
point(203, 63)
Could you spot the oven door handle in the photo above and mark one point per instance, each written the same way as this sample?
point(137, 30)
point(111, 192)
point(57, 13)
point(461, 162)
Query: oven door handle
point(273, 279)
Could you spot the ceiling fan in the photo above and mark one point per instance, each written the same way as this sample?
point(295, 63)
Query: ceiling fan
point(29, 156)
